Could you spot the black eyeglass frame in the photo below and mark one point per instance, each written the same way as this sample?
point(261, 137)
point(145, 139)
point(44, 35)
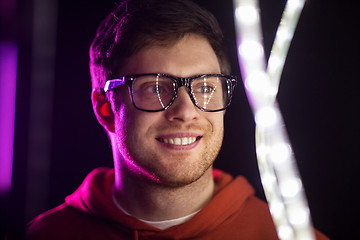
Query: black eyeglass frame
point(179, 82)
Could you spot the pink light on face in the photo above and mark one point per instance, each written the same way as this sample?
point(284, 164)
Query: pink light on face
point(8, 67)
point(136, 168)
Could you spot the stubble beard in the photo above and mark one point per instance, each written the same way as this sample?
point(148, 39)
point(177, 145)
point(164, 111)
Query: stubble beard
point(176, 170)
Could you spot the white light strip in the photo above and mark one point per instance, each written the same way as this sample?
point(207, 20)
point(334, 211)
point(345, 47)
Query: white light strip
point(279, 175)
point(283, 39)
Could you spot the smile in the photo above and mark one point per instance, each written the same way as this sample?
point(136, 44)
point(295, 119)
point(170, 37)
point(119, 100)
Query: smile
point(179, 141)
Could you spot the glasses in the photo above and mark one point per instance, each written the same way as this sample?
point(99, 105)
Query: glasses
point(153, 92)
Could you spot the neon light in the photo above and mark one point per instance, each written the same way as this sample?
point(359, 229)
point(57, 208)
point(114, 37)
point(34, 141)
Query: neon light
point(279, 175)
point(8, 67)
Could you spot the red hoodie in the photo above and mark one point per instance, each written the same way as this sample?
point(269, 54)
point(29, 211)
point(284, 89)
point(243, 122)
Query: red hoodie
point(90, 213)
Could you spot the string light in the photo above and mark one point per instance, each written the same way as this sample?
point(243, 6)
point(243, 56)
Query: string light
point(258, 82)
point(247, 15)
point(279, 175)
point(251, 49)
point(266, 117)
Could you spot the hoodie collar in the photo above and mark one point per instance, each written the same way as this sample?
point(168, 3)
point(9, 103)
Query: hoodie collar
point(94, 197)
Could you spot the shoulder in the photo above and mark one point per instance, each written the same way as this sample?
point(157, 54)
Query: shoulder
point(62, 222)
point(53, 222)
point(255, 214)
point(247, 216)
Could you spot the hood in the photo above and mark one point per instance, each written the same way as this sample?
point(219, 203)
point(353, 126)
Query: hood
point(94, 197)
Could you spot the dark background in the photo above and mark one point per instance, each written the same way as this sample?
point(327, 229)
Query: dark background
point(318, 97)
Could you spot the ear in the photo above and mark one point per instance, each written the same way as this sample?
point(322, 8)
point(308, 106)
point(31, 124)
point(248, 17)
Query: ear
point(102, 110)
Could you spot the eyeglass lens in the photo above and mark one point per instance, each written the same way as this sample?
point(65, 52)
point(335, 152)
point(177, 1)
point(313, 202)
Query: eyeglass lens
point(157, 92)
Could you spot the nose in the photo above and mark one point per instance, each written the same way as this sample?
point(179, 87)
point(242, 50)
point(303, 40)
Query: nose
point(183, 108)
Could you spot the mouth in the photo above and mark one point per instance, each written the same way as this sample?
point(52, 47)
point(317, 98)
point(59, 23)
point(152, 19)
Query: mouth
point(179, 141)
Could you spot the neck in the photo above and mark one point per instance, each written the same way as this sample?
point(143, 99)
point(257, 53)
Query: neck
point(152, 201)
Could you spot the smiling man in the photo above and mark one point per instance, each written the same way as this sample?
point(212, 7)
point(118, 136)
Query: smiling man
point(161, 85)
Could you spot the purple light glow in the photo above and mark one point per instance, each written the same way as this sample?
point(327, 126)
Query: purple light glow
point(8, 68)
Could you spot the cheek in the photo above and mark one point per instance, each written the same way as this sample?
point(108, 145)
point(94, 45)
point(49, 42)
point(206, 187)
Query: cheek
point(126, 133)
point(121, 106)
point(121, 122)
point(131, 126)
point(217, 122)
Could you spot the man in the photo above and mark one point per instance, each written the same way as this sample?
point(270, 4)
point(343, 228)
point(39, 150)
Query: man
point(161, 85)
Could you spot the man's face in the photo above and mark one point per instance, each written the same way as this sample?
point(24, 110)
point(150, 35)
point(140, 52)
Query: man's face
point(177, 146)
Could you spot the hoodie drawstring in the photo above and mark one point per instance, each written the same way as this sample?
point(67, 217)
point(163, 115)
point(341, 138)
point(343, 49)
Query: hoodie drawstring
point(135, 234)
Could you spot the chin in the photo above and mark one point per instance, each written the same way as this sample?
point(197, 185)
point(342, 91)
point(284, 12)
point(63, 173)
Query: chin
point(182, 178)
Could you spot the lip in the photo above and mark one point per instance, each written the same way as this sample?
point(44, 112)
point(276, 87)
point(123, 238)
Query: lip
point(160, 138)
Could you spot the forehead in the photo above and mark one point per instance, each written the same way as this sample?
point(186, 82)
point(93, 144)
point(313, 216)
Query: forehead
point(192, 55)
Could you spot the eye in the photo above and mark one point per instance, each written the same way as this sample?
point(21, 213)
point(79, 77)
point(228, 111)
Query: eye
point(156, 88)
point(207, 89)
point(204, 88)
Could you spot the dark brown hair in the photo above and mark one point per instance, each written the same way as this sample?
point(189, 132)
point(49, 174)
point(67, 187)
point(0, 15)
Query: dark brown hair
point(135, 24)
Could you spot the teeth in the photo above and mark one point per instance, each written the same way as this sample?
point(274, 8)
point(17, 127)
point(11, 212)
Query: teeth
point(179, 141)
